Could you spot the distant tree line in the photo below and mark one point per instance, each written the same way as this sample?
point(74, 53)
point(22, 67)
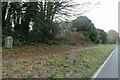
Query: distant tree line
point(112, 36)
point(85, 26)
point(41, 21)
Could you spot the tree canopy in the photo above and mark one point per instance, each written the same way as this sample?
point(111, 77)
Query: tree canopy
point(38, 20)
point(102, 36)
point(85, 26)
point(112, 36)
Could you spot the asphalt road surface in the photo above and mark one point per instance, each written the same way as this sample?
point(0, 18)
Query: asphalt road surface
point(110, 69)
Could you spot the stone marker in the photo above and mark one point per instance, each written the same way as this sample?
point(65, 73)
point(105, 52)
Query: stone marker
point(8, 42)
point(71, 58)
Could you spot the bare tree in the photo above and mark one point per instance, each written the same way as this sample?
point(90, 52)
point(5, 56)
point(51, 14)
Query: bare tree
point(69, 9)
point(112, 36)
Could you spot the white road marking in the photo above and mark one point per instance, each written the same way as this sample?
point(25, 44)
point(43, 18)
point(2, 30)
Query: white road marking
point(100, 68)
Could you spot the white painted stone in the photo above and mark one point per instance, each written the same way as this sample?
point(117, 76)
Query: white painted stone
point(8, 42)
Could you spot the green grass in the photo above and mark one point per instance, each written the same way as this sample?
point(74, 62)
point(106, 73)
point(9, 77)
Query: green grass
point(93, 58)
point(87, 60)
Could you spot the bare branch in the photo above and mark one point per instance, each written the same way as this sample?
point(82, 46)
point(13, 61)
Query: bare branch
point(74, 9)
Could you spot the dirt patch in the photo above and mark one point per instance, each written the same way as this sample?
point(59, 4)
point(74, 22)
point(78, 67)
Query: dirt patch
point(35, 50)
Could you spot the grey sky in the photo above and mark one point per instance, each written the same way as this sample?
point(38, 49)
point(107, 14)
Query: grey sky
point(106, 16)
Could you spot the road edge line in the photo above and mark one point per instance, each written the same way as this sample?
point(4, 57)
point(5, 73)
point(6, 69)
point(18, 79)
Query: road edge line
point(100, 68)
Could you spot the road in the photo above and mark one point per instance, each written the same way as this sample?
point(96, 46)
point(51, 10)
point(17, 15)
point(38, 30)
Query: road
point(110, 68)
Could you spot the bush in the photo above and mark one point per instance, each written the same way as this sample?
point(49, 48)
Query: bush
point(77, 38)
point(17, 42)
point(50, 42)
point(74, 38)
point(34, 37)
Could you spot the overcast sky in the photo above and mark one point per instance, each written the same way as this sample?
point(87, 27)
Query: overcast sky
point(106, 16)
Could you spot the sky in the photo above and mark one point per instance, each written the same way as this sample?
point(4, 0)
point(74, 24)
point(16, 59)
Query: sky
point(106, 16)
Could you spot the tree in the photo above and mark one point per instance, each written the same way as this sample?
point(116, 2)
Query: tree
point(65, 27)
point(6, 26)
point(84, 25)
point(49, 11)
point(29, 16)
point(17, 17)
point(112, 36)
point(102, 36)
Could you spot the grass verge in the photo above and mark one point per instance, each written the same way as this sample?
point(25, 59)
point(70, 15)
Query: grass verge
point(56, 65)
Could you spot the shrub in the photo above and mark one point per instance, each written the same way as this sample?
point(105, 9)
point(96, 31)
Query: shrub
point(74, 38)
point(17, 42)
point(34, 37)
